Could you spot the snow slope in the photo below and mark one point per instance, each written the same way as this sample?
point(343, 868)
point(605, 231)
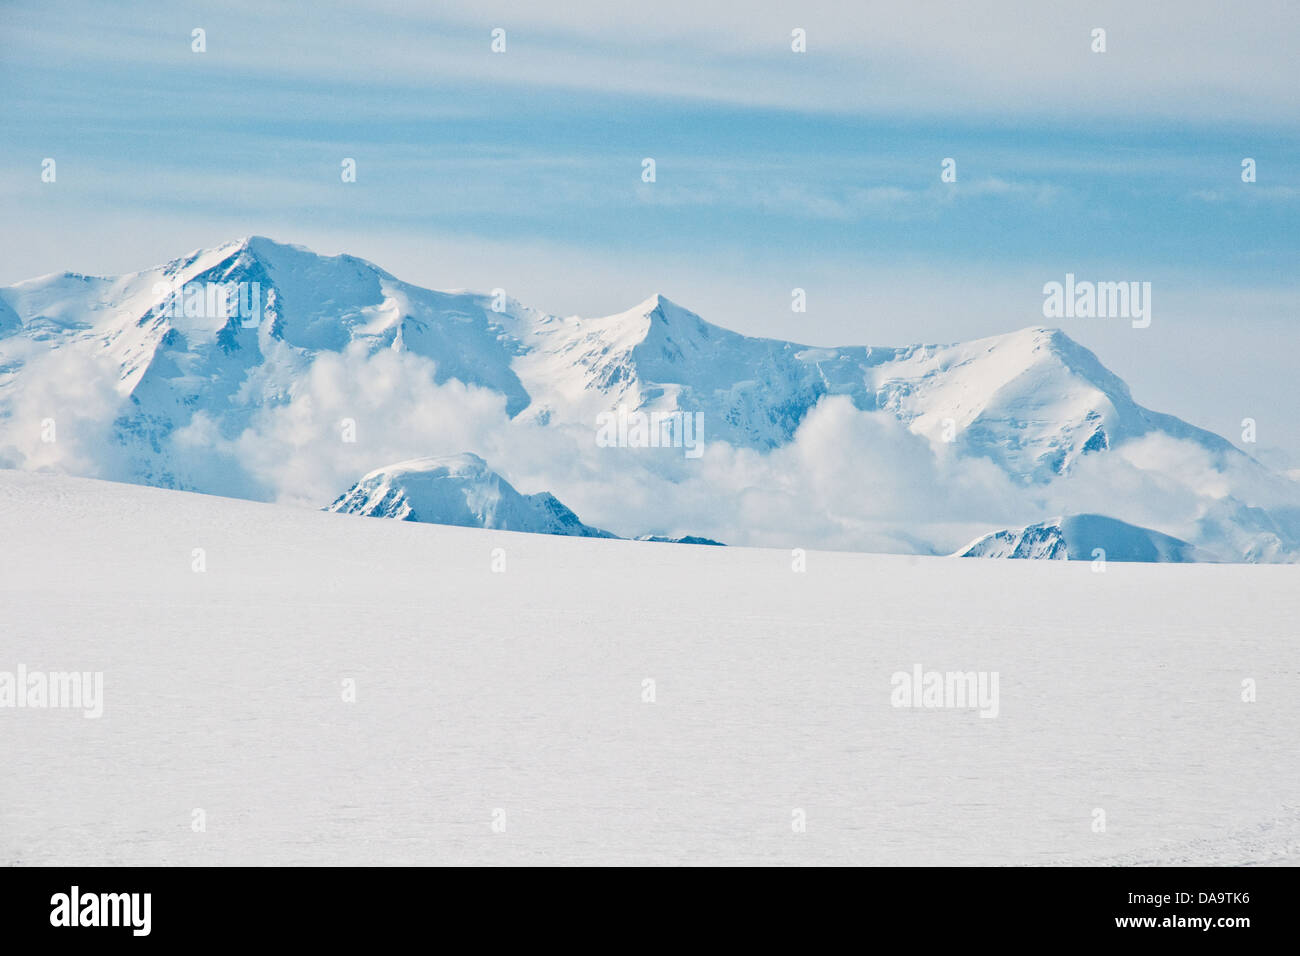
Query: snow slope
point(524, 692)
point(458, 490)
point(1077, 538)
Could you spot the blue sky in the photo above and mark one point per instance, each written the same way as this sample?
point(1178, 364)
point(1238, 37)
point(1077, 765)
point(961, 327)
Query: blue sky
point(774, 169)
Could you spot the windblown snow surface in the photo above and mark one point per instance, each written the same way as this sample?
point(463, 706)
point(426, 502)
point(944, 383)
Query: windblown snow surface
point(521, 691)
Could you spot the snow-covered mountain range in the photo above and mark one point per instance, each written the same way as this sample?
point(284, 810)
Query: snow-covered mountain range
point(1082, 538)
point(146, 378)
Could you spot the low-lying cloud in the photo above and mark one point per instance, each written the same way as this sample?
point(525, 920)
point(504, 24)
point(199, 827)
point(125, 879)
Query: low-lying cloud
point(849, 480)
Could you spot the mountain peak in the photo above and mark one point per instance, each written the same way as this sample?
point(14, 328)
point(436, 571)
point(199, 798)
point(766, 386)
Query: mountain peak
point(460, 490)
point(1082, 537)
point(286, 257)
point(656, 301)
point(466, 464)
point(659, 308)
point(1036, 336)
point(257, 243)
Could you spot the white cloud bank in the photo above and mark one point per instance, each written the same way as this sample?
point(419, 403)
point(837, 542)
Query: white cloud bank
point(850, 480)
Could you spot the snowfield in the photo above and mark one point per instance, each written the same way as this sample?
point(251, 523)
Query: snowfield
point(516, 696)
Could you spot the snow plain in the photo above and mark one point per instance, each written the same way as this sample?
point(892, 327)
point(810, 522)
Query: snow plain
point(522, 691)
